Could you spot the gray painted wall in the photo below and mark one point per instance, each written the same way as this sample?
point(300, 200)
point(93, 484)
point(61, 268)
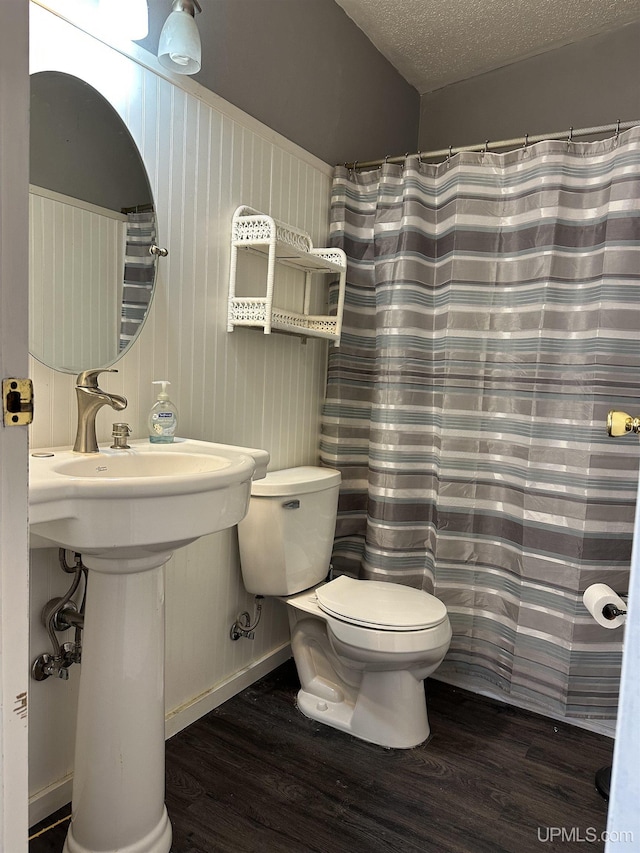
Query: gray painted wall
point(306, 70)
point(592, 82)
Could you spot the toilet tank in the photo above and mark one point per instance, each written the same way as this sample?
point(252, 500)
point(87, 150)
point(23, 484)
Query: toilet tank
point(287, 535)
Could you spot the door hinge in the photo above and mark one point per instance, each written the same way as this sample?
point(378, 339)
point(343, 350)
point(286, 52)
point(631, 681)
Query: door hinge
point(17, 401)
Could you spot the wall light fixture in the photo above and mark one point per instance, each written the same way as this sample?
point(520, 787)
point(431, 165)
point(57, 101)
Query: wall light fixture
point(179, 49)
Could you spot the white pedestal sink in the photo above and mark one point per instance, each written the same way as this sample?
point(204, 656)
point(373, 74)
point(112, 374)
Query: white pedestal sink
point(126, 511)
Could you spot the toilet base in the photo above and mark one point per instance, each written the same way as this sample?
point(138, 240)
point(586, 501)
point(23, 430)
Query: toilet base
point(390, 710)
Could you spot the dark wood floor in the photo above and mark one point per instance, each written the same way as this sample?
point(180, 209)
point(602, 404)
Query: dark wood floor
point(256, 776)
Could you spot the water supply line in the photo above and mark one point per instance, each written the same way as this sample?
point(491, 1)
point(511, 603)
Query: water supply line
point(60, 614)
point(243, 626)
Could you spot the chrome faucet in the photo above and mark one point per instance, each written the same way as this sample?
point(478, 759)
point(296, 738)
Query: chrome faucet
point(90, 400)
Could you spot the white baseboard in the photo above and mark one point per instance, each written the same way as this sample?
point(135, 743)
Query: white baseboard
point(197, 707)
point(49, 799)
point(58, 794)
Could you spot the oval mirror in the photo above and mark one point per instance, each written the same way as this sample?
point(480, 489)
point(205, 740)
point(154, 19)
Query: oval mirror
point(91, 224)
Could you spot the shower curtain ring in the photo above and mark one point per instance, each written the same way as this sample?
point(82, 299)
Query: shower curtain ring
point(386, 159)
point(570, 137)
point(618, 128)
point(526, 140)
point(486, 146)
point(450, 151)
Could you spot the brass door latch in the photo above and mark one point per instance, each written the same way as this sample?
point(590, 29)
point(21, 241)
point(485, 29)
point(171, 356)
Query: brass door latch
point(17, 401)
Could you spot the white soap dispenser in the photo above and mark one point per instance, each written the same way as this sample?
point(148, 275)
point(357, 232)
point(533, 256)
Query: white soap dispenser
point(163, 417)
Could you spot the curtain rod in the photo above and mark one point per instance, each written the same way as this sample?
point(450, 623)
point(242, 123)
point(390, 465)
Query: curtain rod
point(569, 135)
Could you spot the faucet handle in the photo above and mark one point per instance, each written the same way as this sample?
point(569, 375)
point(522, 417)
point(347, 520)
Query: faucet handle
point(89, 378)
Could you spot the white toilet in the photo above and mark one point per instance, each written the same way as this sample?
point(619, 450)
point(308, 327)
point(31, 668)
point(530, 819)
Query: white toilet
point(362, 648)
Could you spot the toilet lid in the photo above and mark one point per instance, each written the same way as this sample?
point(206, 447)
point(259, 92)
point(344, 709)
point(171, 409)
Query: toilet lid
point(376, 604)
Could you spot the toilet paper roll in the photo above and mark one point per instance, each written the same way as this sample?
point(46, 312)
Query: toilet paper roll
point(596, 597)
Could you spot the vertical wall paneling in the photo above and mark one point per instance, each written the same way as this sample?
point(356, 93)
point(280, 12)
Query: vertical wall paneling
point(242, 388)
point(80, 251)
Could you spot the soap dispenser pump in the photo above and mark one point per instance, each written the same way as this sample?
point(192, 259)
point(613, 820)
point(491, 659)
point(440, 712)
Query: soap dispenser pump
point(163, 417)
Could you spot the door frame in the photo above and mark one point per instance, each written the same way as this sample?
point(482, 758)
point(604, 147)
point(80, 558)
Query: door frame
point(14, 555)
point(623, 824)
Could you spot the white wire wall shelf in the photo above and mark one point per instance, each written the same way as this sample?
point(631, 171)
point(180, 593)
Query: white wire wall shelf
point(283, 244)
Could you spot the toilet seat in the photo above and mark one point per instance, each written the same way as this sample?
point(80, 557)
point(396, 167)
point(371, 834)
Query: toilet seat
point(380, 605)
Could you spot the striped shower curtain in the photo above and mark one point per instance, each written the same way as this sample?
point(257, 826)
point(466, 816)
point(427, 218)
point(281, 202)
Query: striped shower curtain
point(492, 319)
point(139, 274)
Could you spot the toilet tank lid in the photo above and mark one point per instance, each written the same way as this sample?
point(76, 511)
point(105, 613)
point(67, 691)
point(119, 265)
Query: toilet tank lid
point(381, 605)
point(295, 481)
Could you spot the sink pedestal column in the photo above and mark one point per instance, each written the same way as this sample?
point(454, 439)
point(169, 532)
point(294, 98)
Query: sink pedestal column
point(118, 782)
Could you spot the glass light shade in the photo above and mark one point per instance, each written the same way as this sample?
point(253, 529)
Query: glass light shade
point(179, 49)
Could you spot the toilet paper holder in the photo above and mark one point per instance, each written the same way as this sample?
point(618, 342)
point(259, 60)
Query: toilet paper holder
point(607, 607)
point(610, 611)
point(620, 423)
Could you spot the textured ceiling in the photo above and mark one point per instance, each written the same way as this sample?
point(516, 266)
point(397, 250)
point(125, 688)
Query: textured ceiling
point(436, 42)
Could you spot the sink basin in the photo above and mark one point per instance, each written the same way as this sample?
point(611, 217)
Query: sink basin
point(150, 498)
point(133, 464)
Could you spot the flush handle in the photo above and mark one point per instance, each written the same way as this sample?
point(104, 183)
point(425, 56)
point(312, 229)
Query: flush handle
point(295, 504)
